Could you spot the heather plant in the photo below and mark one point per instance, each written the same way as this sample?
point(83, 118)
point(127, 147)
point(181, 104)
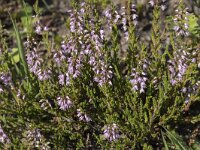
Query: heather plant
point(102, 87)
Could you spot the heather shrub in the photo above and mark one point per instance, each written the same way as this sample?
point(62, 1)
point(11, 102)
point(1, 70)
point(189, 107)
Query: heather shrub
point(102, 86)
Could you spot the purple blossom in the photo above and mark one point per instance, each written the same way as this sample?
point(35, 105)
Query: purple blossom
point(77, 19)
point(102, 34)
point(83, 116)
point(72, 23)
point(163, 7)
point(67, 79)
point(138, 81)
point(61, 79)
point(111, 132)
point(160, 2)
point(38, 29)
point(134, 15)
point(59, 57)
point(152, 3)
point(43, 74)
point(117, 17)
point(108, 14)
point(103, 74)
point(73, 70)
point(124, 23)
point(71, 52)
point(180, 25)
point(68, 48)
point(109, 18)
point(64, 103)
point(45, 104)
point(179, 65)
point(102, 71)
point(46, 28)
point(6, 79)
point(35, 63)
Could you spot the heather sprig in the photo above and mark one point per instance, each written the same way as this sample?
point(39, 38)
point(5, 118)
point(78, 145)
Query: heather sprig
point(111, 132)
point(35, 62)
point(181, 22)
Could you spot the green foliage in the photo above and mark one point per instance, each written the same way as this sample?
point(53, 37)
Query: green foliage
point(15, 56)
point(172, 140)
point(23, 63)
point(176, 141)
point(93, 92)
point(194, 27)
point(26, 19)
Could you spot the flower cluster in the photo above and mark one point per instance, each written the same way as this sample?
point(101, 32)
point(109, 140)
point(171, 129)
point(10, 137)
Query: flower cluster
point(5, 80)
point(35, 61)
point(109, 17)
point(73, 71)
point(85, 48)
point(178, 66)
point(64, 103)
point(39, 29)
point(124, 22)
point(68, 54)
point(138, 79)
point(111, 132)
point(58, 56)
point(122, 17)
point(102, 71)
point(161, 3)
point(134, 14)
point(181, 22)
point(83, 116)
point(71, 51)
point(45, 104)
